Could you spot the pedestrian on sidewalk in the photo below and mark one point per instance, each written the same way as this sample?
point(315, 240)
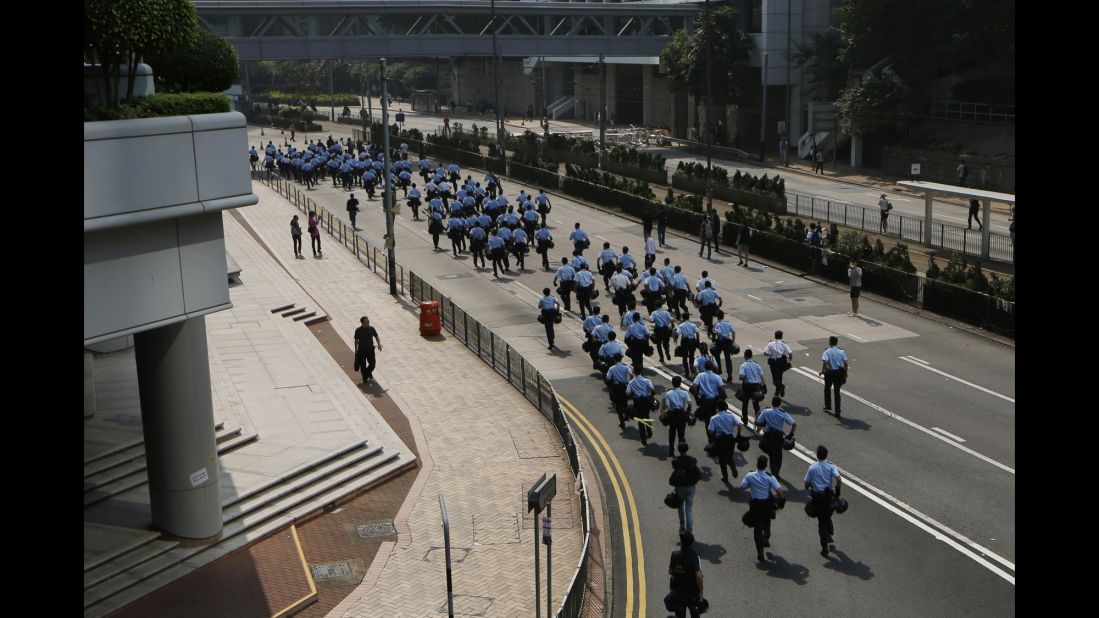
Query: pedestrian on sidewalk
point(295, 234)
point(677, 408)
point(818, 480)
point(551, 313)
point(816, 241)
point(974, 214)
point(963, 172)
point(743, 244)
point(773, 420)
point(761, 509)
point(704, 234)
point(315, 235)
point(685, 476)
point(661, 223)
point(854, 273)
point(685, 569)
point(885, 207)
point(820, 162)
point(833, 369)
point(353, 210)
point(778, 356)
point(365, 336)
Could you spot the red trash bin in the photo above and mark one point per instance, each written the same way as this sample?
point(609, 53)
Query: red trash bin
point(429, 318)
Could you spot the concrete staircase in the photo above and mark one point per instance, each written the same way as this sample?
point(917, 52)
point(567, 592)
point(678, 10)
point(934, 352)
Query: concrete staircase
point(299, 314)
point(140, 562)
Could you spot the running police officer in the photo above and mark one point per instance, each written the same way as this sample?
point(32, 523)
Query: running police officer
point(637, 341)
point(688, 343)
point(550, 310)
point(585, 287)
point(723, 343)
point(834, 369)
point(761, 509)
point(818, 480)
point(617, 380)
point(774, 420)
point(566, 279)
point(662, 333)
point(677, 406)
point(751, 380)
point(545, 242)
point(708, 388)
point(643, 393)
point(778, 356)
point(725, 428)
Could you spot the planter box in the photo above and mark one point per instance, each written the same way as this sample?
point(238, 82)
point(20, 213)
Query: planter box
point(544, 179)
point(652, 176)
point(284, 123)
point(679, 219)
point(729, 194)
point(969, 306)
point(461, 157)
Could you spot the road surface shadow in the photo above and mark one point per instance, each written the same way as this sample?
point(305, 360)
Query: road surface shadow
point(842, 563)
point(711, 553)
point(796, 410)
point(779, 567)
point(852, 423)
point(732, 491)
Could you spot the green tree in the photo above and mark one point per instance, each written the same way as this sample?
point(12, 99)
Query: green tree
point(208, 64)
point(120, 32)
point(821, 63)
point(685, 57)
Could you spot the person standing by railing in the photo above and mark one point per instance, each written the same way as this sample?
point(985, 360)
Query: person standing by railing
point(315, 235)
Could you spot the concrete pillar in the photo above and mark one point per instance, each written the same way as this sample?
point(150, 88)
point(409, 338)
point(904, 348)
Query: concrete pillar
point(173, 374)
point(856, 150)
point(986, 229)
point(927, 219)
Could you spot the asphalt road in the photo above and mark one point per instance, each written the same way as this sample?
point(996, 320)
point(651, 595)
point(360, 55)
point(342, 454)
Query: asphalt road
point(934, 455)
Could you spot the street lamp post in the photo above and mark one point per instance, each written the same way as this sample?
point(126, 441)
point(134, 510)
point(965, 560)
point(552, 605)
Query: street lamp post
point(763, 122)
point(496, 85)
point(707, 125)
point(387, 202)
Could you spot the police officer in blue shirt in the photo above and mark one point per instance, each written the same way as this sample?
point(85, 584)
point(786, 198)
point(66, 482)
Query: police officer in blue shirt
point(497, 252)
point(761, 509)
point(707, 388)
point(414, 202)
point(578, 261)
point(519, 242)
point(834, 369)
point(688, 344)
point(579, 240)
point(642, 392)
point(565, 278)
point(724, 337)
point(751, 380)
point(530, 221)
point(667, 275)
point(477, 241)
point(551, 309)
point(652, 290)
point(627, 261)
point(610, 352)
point(585, 288)
point(253, 158)
point(818, 480)
point(605, 262)
point(618, 379)
point(724, 427)
point(681, 291)
point(662, 333)
point(708, 302)
point(505, 234)
point(677, 404)
point(637, 339)
point(456, 231)
point(774, 421)
point(545, 243)
point(590, 323)
point(544, 204)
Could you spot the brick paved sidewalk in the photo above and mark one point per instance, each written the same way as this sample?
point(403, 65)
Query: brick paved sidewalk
point(479, 440)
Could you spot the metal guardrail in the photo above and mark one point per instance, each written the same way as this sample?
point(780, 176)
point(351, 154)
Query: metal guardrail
point(943, 235)
point(492, 349)
point(511, 365)
point(369, 255)
point(973, 111)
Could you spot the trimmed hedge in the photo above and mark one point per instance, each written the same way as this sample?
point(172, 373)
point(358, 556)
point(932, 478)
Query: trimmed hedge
point(289, 98)
point(729, 194)
point(655, 176)
point(543, 178)
point(995, 314)
point(160, 105)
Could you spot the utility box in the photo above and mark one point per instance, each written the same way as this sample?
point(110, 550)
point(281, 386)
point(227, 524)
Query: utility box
point(429, 318)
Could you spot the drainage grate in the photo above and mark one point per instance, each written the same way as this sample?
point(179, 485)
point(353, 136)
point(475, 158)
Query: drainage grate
point(371, 531)
point(328, 570)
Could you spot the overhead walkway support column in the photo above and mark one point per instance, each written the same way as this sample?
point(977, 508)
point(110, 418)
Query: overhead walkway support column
point(173, 374)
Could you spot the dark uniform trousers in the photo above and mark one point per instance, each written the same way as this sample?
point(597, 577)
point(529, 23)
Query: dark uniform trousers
point(677, 424)
point(762, 511)
point(662, 336)
point(771, 443)
point(620, 401)
point(822, 501)
point(833, 380)
point(548, 316)
point(778, 367)
point(642, 407)
point(746, 390)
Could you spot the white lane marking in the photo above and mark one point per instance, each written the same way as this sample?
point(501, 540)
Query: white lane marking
point(808, 373)
point(535, 294)
point(856, 338)
point(600, 237)
point(947, 433)
point(919, 520)
point(754, 297)
point(928, 367)
point(919, 360)
point(559, 221)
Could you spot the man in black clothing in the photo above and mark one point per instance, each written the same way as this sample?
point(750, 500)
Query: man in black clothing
point(353, 210)
point(647, 222)
point(685, 569)
point(364, 348)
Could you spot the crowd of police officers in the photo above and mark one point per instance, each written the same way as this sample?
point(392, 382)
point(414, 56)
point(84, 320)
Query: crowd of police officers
point(479, 219)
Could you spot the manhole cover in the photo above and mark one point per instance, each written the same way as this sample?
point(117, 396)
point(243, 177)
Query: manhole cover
point(454, 276)
point(328, 570)
point(370, 531)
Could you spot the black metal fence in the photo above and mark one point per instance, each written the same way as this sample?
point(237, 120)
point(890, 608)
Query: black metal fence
point(511, 365)
point(371, 256)
point(943, 235)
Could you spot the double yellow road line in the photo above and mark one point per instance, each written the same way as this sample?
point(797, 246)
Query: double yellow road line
point(631, 523)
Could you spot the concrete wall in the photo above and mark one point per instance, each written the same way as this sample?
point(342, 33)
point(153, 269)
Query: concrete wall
point(154, 189)
point(473, 83)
